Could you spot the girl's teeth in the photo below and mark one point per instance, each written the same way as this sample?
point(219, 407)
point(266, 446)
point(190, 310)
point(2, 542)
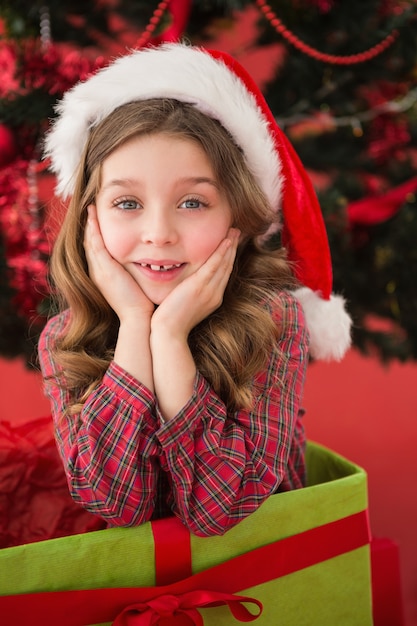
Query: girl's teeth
point(162, 268)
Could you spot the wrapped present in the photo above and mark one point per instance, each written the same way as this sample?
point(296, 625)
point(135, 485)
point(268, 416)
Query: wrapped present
point(387, 596)
point(301, 559)
point(35, 504)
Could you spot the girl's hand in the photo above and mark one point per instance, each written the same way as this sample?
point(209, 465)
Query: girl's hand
point(200, 294)
point(115, 283)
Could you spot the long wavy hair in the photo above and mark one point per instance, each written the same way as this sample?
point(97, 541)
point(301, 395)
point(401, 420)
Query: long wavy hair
point(232, 344)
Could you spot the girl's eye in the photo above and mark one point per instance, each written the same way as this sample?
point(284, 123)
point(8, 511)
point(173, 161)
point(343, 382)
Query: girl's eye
point(126, 204)
point(192, 203)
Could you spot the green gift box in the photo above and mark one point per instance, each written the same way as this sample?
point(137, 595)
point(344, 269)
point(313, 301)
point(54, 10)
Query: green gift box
point(302, 558)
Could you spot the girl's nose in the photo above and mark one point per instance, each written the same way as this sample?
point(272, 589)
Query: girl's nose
point(158, 227)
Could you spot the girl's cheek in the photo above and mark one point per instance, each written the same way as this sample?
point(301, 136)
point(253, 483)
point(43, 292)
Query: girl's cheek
point(115, 242)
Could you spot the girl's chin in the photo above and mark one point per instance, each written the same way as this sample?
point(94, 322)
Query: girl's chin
point(155, 296)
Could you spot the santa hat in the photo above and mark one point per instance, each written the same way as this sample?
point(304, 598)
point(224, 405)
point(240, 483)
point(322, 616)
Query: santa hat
point(218, 86)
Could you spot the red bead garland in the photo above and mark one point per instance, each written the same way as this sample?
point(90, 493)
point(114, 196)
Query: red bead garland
point(332, 59)
point(153, 23)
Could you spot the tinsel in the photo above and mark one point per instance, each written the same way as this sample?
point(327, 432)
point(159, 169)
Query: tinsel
point(387, 139)
point(30, 70)
point(26, 245)
point(54, 69)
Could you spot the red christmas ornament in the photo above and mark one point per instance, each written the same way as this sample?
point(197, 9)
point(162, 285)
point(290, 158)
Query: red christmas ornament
point(8, 147)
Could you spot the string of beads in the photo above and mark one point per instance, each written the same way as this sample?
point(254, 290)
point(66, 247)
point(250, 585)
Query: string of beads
point(153, 23)
point(282, 30)
point(332, 59)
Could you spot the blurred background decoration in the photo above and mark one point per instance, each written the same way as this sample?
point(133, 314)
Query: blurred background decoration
point(341, 79)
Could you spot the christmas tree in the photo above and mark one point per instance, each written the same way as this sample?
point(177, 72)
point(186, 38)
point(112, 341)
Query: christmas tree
point(341, 79)
point(346, 95)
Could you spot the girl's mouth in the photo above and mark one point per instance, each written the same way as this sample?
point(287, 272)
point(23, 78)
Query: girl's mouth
point(160, 272)
point(160, 268)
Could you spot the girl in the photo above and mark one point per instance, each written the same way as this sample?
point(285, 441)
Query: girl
point(176, 364)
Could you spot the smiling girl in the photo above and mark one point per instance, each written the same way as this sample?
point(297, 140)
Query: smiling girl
point(176, 364)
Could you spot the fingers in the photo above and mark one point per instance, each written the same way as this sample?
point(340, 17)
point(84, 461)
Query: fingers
point(100, 262)
point(200, 294)
point(112, 279)
point(93, 240)
point(220, 264)
point(101, 265)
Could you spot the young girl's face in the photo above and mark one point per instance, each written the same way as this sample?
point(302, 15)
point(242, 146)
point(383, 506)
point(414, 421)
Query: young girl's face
point(160, 210)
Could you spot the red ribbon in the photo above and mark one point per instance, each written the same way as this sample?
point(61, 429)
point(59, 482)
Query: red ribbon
point(181, 610)
point(376, 209)
point(263, 564)
point(173, 560)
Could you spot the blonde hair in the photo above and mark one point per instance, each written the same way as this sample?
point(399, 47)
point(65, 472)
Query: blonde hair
point(231, 345)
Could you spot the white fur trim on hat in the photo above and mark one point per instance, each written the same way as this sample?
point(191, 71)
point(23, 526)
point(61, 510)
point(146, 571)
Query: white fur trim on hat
point(328, 324)
point(178, 71)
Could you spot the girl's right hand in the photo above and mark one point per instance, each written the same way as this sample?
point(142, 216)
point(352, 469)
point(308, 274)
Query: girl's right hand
point(115, 283)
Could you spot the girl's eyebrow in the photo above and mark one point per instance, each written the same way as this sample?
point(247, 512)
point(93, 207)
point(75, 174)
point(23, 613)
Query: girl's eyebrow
point(120, 182)
point(197, 180)
point(131, 182)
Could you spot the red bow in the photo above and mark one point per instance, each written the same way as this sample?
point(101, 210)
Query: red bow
point(181, 610)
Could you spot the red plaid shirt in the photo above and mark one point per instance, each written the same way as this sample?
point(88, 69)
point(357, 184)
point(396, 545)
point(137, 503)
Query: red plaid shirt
point(206, 466)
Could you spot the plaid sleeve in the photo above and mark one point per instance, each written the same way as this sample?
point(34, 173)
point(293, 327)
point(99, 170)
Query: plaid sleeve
point(219, 467)
point(222, 467)
point(109, 449)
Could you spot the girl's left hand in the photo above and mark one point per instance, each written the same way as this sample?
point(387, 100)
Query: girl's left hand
point(200, 294)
